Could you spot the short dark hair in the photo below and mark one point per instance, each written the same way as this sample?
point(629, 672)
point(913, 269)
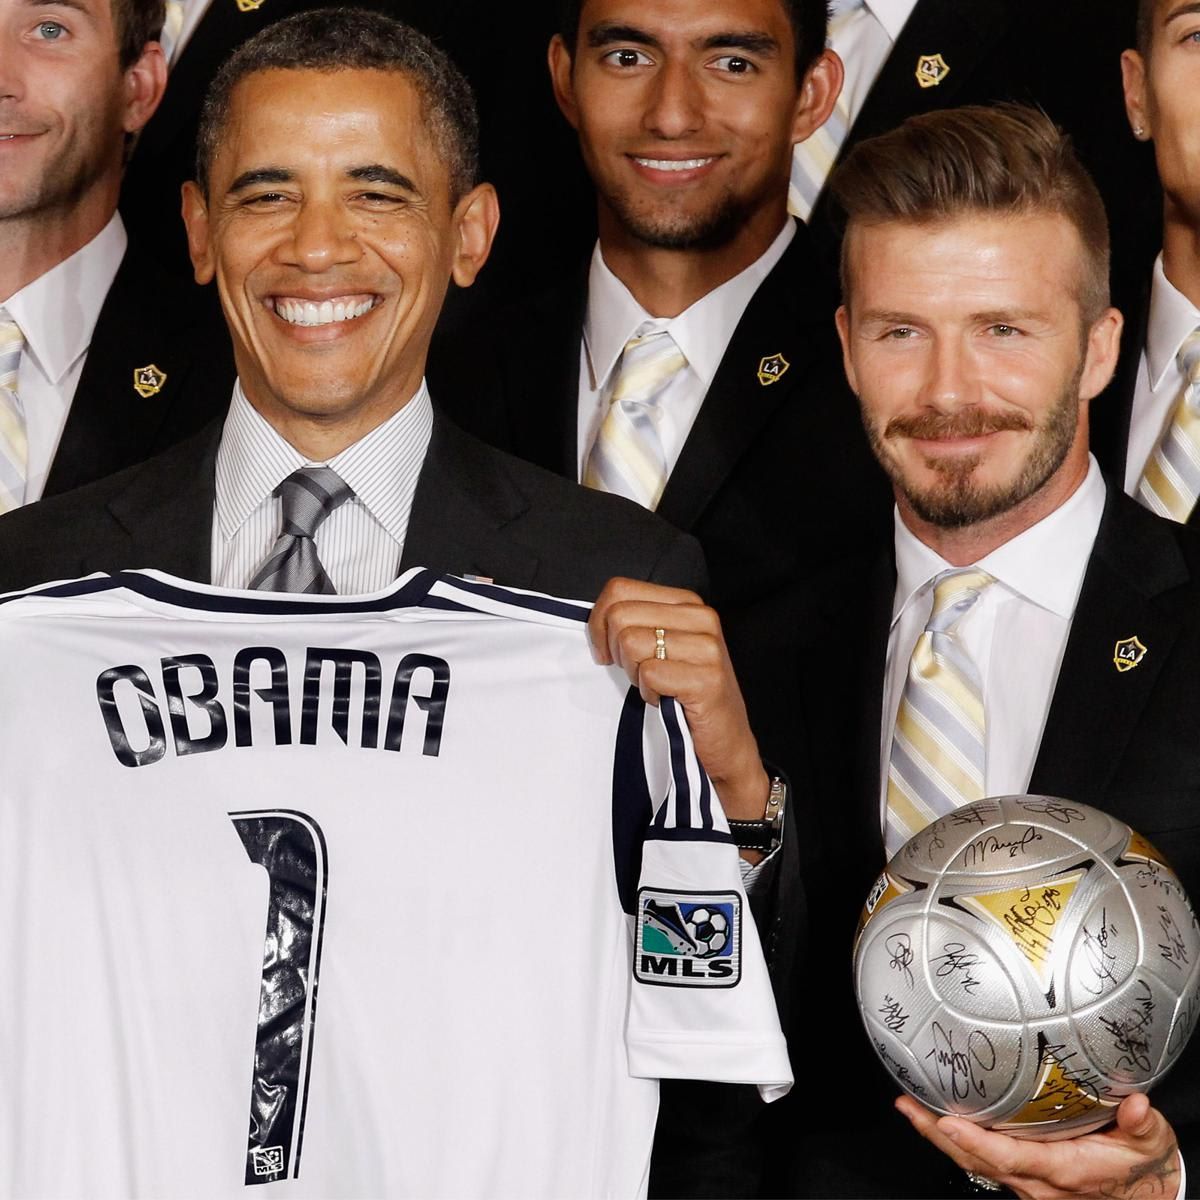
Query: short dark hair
point(1006, 159)
point(354, 39)
point(809, 20)
point(136, 22)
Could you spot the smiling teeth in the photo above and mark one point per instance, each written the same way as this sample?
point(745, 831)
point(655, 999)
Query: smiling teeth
point(328, 312)
point(673, 164)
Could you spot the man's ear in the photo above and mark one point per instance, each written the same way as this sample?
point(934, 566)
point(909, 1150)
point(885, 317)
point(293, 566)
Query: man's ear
point(145, 83)
point(561, 67)
point(818, 94)
point(842, 320)
point(477, 217)
point(1133, 78)
point(195, 219)
point(1103, 349)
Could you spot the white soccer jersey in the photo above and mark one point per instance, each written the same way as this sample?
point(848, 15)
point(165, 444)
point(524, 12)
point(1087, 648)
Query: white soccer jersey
point(364, 871)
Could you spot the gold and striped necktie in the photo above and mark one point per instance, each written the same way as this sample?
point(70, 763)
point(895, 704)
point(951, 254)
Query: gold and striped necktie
point(628, 458)
point(813, 158)
point(937, 757)
point(1170, 483)
point(14, 450)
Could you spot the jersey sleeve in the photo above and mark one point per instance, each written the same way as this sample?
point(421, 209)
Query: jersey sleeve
point(701, 1004)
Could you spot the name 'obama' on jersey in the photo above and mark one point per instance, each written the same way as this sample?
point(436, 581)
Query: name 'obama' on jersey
point(499, 898)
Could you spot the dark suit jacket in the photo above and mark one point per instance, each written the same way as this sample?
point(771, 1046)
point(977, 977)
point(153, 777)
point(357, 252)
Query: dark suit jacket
point(148, 318)
point(1063, 57)
point(1125, 743)
point(774, 478)
point(475, 512)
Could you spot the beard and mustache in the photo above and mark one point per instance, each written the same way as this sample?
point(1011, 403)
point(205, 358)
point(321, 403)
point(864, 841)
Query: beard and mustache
point(956, 499)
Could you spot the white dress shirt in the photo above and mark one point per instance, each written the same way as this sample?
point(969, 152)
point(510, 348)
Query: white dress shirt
point(57, 315)
point(1015, 633)
point(361, 541)
point(702, 332)
point(1159, 380)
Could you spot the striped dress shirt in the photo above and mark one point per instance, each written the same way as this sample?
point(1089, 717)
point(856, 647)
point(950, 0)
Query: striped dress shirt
point(360, 543)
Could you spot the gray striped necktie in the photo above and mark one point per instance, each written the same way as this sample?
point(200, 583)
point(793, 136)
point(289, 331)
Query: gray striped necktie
point(1170, 483)
point(14, 450)
point(937, 759)
point(308, 496)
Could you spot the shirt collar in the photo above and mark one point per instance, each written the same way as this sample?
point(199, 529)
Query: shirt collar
point(891, 14)
point(702, 331)
point(1172, 317)
point(58, 311)
point(1045, 564)
point(382, 468)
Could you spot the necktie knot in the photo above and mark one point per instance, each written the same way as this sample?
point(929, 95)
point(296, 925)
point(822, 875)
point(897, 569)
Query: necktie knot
point(954, 595)
point(649, 362)
point(307, 497)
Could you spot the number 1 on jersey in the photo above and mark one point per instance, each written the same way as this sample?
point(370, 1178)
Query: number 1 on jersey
point(291, 847)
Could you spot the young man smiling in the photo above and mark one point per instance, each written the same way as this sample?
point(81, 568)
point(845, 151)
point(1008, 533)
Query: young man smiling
point(692, 365)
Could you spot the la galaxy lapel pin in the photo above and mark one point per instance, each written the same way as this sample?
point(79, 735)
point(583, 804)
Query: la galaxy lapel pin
point(931, 70)
point(772, 369)
point(148, 381)
point(1128, 654)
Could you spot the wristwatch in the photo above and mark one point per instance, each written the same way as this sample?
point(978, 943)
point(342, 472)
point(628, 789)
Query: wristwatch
point(765, 835)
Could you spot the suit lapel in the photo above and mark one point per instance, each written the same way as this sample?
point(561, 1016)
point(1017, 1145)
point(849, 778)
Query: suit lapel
point(461, 507)
point(146, 322)
point(1096, 707)
point(166, 510)
point(763, 368)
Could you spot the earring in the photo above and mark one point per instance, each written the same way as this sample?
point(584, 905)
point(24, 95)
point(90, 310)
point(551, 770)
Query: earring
point(1139, 132)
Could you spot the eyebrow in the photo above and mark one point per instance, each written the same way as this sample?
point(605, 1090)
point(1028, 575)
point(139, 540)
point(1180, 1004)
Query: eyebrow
point(1182, 10)
point(260, 175)
point(378, 173)
point(751, 41)
point(371, 173)
point(77, 5)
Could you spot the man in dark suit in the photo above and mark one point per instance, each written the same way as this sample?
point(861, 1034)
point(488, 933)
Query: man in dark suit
point(686, 116)
point(110, 360)
point(904, 57)
point(976, 330)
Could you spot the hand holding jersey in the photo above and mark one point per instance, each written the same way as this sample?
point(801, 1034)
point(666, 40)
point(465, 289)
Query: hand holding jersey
point(670, 643)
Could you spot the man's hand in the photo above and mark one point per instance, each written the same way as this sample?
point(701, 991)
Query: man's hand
point(1136, 1157)
point(696, 671)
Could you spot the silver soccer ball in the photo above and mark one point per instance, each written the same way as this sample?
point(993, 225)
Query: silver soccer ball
point(1025, 963)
